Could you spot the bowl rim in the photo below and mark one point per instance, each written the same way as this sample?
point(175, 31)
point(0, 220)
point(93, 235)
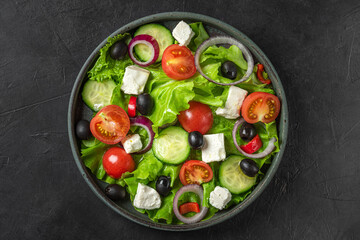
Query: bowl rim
point(229, 30)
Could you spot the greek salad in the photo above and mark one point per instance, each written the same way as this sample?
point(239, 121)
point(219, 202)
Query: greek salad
point(183, 125)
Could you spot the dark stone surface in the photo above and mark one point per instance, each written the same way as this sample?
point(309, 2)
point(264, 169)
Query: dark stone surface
point(313, 45)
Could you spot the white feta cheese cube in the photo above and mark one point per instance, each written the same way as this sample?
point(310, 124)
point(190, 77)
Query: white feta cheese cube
point(146, 198)
point(132, 143)
point(233, 103)
point(220, 197)
point(183, 33)
point(214, 148)
point(134, 80)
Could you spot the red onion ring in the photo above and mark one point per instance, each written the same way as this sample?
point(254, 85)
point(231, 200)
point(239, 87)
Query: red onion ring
point(148, 41)
point(146, 123)
point(270, 147)
point(203, 210)
point(224, 40)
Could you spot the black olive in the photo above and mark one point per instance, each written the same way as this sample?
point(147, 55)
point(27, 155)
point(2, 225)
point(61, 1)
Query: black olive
point(144, 104)
point(196, 140)
point(115, 192)
point(249, 167)
point(229, 70)
point(163, 185)
point(83, 130)
point(118, 50)
point(247, 132)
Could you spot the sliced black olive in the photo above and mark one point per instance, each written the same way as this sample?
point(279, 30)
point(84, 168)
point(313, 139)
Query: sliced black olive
point(229, 70)
point(118, 50)
point(115, 192)
point(196, 140)
point(163, 185)
point(249, 167)
point(83, 130)
point(144, 104)
point(247, 132)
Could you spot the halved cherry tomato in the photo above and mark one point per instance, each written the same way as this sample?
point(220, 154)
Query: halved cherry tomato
point(178, 62)
point(197, 118)
point(189, 207)
point(252, 146)
point(116, 162)
point(132, 106)
point(260, 107)
point(110, 125)
point(195, 172)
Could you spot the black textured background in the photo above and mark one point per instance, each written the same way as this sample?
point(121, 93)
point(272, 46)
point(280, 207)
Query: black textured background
point(313, 45)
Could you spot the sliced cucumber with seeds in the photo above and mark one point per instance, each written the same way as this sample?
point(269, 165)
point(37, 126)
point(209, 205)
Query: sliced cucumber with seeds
point(172, 146)
point(162, 35)
point(98, 94)
point(232, 177)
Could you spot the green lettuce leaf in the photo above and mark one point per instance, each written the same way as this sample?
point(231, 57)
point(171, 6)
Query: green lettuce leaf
point(119, 98)
point(200, 35)
point(148, 168)
point(170, 97)
point(219, 55)
point(108, 68)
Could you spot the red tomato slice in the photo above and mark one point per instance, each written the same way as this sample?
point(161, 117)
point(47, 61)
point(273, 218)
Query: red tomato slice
point(116, 162)
point(195, 172)
point(110, 125)
point(252, 146)
point(132, 106)
point(198, 117)
point(178, 62)
point(260, 107)
point(189, 207)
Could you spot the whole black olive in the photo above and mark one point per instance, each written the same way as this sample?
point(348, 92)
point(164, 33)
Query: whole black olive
point(118, 50)
point(196, 140)
point(115, 192)
point(144, 104)
point(229, 70)
point(163, 185)
point(83, 130)
point(249, 167)
point(247, 132)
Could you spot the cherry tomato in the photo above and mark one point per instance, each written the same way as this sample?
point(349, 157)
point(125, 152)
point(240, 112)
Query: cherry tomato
point(110, 125)
point(197, 118)
point(116, 162)
point(189, 207)
point(260, 107)
point(195, 172)
point(132, 106)
point(178, 62)
point(252, 146)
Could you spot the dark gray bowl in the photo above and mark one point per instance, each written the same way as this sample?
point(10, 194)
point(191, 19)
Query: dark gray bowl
point(78, 110)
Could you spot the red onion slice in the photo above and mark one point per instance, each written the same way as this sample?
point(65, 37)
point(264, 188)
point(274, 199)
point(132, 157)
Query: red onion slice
point(147, 124)
point(148, 41)
point(270, 147)
point(224, 40)
point(203, 210)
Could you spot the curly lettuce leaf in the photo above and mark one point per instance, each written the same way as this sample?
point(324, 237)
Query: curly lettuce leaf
point(108, 68)
point(215, 54)
point(119, 98)
point(170, 97)
point(200, 35)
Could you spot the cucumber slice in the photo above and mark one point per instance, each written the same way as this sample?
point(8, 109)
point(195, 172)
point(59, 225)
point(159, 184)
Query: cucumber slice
point(162, 35)
point(172, 146)
point(231, 176)
point(98, 94)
